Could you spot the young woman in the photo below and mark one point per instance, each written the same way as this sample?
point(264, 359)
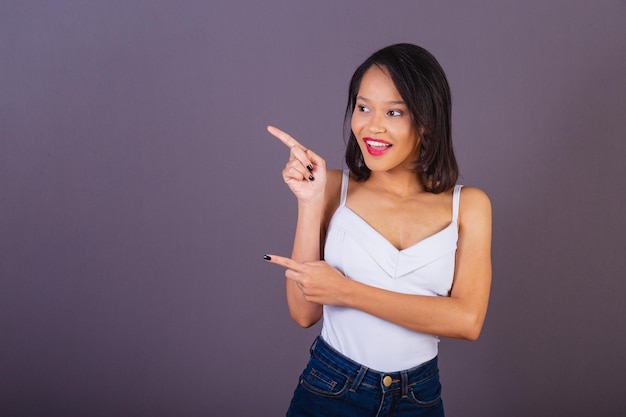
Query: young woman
point(391, 253)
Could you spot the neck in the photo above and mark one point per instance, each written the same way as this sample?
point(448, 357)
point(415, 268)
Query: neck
point(400, 183)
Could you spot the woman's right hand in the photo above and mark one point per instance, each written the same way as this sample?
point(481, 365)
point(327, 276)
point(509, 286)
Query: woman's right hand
point(305, 172)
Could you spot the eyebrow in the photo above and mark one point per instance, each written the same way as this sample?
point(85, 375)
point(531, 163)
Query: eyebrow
point(394, 102)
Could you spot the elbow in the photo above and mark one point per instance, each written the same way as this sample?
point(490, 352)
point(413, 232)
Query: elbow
point(472, 327)
point(305, 324)
point(304, 321)
point(472, 335)
point(306, 315)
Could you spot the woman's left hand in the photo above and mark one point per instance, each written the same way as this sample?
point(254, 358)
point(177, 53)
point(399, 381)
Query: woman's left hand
point(319, 282)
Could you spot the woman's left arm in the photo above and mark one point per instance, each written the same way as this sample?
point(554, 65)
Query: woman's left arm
point(461, 315)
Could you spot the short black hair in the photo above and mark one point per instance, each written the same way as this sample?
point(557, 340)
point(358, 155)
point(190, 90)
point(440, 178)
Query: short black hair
point(423, 86)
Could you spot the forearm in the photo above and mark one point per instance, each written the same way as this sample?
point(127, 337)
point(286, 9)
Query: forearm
point(441, 316)
point(306, 247)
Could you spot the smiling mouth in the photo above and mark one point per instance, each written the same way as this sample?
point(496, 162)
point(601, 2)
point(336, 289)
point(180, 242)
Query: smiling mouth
point(376, 147)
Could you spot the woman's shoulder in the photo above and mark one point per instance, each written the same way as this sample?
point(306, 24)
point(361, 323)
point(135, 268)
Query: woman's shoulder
point(473, 193)
point(474, 204)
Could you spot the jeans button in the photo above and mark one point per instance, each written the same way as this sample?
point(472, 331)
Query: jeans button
point(387, 381)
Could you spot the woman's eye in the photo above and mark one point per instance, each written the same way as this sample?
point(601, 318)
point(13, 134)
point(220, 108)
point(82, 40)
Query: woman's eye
point(363, 109)
point(394, 113)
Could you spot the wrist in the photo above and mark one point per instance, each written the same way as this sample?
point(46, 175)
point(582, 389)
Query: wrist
point(347, 295)
point(316, 203)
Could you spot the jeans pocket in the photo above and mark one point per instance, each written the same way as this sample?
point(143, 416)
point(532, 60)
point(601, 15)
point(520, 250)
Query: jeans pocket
point(324, 380)
point(426, 392)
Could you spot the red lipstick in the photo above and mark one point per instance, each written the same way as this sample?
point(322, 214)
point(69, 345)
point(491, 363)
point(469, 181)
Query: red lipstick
point(376, 147)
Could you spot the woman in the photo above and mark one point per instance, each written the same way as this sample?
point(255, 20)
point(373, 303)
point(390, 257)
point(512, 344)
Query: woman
point(406, 251)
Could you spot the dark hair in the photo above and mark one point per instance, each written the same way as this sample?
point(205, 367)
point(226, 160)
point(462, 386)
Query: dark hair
point(423, 86)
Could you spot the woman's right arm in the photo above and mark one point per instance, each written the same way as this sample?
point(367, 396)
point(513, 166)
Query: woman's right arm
point(305, 174)
point(307, 246)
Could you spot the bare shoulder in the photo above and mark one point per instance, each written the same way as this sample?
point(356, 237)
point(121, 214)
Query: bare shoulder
point(473, 195)
point(474, 205)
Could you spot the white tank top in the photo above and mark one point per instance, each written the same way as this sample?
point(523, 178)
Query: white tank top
point(363, 254)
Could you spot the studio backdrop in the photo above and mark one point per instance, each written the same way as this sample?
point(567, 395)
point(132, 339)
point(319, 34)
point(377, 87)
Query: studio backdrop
point(139, 191)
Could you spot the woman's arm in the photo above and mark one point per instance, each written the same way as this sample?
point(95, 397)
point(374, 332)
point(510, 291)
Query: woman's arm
point(307, 246)
point(461, 315)
point(305, 174)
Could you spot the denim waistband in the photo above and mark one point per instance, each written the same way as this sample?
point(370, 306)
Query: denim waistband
point(360, 374)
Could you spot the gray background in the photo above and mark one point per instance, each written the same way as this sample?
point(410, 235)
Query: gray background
point(139, 191)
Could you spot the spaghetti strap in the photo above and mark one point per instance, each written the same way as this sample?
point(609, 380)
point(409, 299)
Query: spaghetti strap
point(344, 187)
point(455, 202)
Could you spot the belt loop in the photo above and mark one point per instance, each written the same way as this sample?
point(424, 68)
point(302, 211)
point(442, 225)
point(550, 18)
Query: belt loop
point(405, 384)
point(359, 378)
point(313, 345)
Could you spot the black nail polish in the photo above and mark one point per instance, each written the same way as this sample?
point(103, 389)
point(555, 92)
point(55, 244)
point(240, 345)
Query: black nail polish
point(267, 257)
point(309, 167)
point(311, 178)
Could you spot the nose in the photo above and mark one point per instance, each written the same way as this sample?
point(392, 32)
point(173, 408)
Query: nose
point(377, 125)
point(377, 129)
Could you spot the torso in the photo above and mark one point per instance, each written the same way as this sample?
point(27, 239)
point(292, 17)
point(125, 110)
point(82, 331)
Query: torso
point(392, 243)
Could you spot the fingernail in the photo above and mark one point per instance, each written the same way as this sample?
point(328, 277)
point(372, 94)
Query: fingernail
point(311, 178)
point(309, 167)
point(267, 257)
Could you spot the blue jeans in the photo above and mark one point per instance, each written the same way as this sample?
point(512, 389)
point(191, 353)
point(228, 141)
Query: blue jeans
point(334, 386)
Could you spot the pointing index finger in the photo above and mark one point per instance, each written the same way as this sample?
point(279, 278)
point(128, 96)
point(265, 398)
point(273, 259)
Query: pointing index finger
point(283, 137)
point(284, 262)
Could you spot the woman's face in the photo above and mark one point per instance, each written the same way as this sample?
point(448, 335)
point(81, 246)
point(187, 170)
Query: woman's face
point(382, 124)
